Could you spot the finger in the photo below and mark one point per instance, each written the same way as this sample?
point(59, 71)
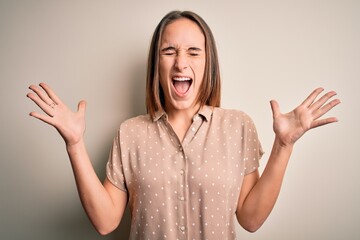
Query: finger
point(322, 122)
point(38, 101)
point(82, 107)
point(320, 112)
point(275, 108)
point(311, 98)
point(51, 93)
point(45, 118)
point(322, 100)
point(41, 94)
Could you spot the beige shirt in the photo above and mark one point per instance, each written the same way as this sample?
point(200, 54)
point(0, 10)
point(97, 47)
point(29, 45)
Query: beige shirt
point(188, 189)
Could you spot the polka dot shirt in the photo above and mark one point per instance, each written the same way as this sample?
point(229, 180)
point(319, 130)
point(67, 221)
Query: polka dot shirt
point(189, 189)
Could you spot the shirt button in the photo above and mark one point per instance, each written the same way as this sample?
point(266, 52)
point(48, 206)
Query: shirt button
point(182, 228)
point(193, 129)
point(180, 149)
point(182, 172)
point(182, 198)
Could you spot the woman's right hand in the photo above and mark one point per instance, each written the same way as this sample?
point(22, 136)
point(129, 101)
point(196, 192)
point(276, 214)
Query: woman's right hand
point(70, 125)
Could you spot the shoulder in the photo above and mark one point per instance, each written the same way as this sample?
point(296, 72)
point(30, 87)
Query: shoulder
point(232, 115)
point(235, 122)
point(137, 121)
point(135, 124)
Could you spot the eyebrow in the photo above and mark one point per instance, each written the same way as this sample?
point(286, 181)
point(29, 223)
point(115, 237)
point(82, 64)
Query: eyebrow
point(173, 48)
point(195, 49)
point(167, 49)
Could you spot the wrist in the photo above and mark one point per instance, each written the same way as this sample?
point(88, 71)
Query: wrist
point(75, 147)
point(282, 146)
point(280, 154)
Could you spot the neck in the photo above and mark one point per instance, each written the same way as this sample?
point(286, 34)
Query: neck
point(181, 120)
point(183, 115)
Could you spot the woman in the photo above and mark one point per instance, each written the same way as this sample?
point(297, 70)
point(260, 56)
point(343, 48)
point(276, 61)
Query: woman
point(187, 167)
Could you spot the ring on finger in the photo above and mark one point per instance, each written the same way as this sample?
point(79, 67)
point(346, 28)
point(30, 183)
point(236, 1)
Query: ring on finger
point(52, 105)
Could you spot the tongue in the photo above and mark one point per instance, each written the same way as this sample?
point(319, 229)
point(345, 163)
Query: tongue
point(182, 86)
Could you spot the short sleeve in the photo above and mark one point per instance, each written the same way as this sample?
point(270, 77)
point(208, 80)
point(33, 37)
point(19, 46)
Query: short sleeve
point(114, 167)
point(252, 146)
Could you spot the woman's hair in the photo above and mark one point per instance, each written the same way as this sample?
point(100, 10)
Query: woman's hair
point(209, 93)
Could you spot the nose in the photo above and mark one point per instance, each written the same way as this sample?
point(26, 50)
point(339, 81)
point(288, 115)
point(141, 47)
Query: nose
point(181, 62)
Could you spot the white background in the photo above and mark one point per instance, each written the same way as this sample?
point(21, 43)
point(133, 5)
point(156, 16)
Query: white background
point(97, 50)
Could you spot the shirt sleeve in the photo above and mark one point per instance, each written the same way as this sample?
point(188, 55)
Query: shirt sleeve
point(252, 147)
point(114, 167)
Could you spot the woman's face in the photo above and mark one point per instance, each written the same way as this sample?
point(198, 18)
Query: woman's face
point(182, 64)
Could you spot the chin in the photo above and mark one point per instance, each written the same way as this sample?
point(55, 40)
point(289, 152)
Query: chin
point(181, 105)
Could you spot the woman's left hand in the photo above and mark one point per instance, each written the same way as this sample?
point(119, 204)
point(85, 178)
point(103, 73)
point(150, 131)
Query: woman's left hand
point(291, 126)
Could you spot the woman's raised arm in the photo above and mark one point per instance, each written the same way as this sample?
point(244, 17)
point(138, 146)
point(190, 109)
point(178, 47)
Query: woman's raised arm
point(258, 194)
point(103, 203)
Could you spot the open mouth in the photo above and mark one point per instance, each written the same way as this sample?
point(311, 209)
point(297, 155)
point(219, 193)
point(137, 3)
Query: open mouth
point(182, 84)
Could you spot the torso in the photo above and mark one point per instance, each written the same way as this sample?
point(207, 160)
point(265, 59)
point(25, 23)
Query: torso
point(188, 188)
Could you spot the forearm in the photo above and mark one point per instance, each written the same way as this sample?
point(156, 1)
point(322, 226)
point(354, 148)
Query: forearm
point(262, 197)
point(94, 197)
point(256, 204)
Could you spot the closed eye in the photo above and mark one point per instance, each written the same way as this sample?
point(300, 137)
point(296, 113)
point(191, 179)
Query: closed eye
point(194, 51)
point(194, 54)
point(168, 51)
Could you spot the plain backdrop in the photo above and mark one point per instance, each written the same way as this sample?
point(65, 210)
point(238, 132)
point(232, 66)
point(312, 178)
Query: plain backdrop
point(97, 50)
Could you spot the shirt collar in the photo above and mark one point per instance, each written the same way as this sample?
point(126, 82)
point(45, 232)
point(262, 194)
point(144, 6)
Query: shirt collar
point(159, 115)
point(205, 112)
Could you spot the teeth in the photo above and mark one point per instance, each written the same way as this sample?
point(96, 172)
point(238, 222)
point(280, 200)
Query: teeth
point(181, 78)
